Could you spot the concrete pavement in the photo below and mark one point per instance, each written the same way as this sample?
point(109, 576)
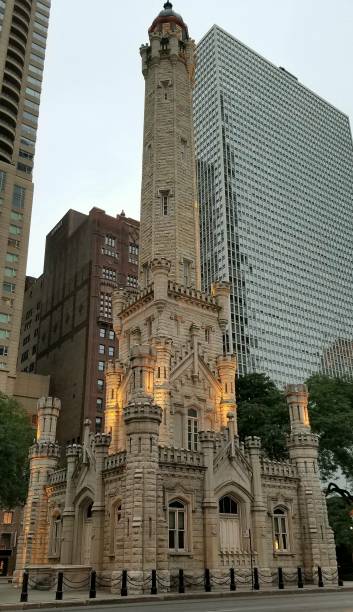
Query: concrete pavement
point(300, 601)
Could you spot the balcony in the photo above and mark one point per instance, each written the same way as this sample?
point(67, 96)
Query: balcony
point(7, 117)
point(12, 77)
point(21, 15)
point(17, 41)
point(14, 64)
point(9, 103)
point(10, 92)
point(16, 55)
point(7, 131)
point(26, 4)
point(20, 24)
point(17, 30)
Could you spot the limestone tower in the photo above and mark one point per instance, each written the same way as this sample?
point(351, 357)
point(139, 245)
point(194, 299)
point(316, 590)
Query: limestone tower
point(169, 211)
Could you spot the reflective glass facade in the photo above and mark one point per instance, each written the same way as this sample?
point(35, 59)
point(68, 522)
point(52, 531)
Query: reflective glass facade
point(275, 175)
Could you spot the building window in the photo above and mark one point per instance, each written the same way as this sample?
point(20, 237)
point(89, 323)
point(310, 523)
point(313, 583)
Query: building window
point(176, 525)
point(18, 197)
point(280, 530)
point(99, 423)
point(207, 334)
point(4, 350)
point(101, 349)
point(9, 287)
point(5, 318)
point(111, 351)
point(192, 430)
point(102, 332)
point(7, 518)
point(165, 202)
point(14, 230)
point(101, 366)
point(132, 281)
point(100, 384)
point(110, 241)
point(111, 334)
point(105, 307)
point(109, 274)
point(4, 333)
point(56, 536)
point(133, 253)
point(10, 272)
point(99, 404)
point(229, 530)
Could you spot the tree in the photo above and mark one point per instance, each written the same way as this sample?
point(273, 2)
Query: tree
point(263, 412)
point(331, 416)
point(341, 521)
point(16, 435)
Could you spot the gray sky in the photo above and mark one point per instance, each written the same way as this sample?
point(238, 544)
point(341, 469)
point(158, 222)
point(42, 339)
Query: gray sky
point(90, 128)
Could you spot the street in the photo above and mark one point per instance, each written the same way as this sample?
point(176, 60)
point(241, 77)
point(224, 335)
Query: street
point(303, 602)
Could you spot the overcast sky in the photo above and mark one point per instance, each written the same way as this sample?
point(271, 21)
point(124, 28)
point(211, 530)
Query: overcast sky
point(90, 128)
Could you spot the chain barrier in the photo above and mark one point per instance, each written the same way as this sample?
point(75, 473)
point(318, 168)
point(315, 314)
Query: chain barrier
point(177, 582)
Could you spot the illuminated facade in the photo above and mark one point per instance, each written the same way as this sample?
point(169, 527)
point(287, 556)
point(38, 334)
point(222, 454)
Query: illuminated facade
point(275, 178)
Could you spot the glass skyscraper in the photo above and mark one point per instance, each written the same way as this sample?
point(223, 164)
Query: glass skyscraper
point(275, 176)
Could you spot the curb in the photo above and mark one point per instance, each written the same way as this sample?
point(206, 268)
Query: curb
point(166, 597)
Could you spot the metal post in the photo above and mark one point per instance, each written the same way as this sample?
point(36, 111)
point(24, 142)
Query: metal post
point(123, 591)
point(92, 587)
point(207, 581)
point(181, 587)
point(339, 576)
point(24, 591)
point(280, 578)
point(319, 575)
point(59, 587)
point(300, 578)
point(154, 583)
point(256, 579)
point(233, 586)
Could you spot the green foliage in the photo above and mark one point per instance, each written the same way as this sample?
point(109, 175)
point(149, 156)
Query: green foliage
point(263, 412)
point(341, 522)
point(331, 416)
point(16, 435)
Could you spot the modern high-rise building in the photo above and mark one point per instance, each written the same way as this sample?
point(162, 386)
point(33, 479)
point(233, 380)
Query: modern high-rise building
point(275, 178)
point(67, 326)
point(23, 34)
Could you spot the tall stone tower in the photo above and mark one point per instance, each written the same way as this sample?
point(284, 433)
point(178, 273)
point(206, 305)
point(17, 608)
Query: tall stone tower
point(169, 210)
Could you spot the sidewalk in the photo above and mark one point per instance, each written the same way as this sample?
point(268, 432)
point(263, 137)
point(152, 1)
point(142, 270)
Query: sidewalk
point(10, 596)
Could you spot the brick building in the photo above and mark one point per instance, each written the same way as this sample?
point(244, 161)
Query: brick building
point(66, 327)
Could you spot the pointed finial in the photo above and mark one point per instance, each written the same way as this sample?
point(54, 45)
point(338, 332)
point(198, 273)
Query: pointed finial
point(168, 5)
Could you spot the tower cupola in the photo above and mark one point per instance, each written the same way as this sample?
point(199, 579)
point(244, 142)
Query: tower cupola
point(168, 20)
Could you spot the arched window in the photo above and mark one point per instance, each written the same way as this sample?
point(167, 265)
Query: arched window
point(177, 525)
point(229, 527)
point(228, 505)
point(89, 511)
point(193, 432)
point(280, 530)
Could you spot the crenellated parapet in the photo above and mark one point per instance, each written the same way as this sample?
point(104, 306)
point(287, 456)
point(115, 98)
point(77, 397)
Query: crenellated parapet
point(73, 451)
point(102, 441)
point(143, 411)
point(303, 440)
point(253, 444)
point(40, 450)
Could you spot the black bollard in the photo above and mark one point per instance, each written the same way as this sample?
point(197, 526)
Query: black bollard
point(319, 575)
point(207, 581)
point(24, 591)
point(300, 578)
point(181, 587)
point(92, 585)
point(339, 576)
point(154, 583)
point(59, 587)
point(280, 578)
point(123, 591)
point(256, 579)
point(233, 586)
